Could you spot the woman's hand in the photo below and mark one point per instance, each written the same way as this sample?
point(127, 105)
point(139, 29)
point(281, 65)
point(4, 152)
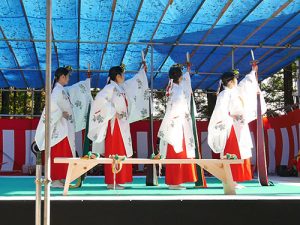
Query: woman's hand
point(255, 67)
point(189, 67)
point(145, 66)
point(158, 156)
point(88, 75)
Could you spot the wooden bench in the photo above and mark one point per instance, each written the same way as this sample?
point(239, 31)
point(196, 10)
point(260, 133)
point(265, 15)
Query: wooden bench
point(220, 168)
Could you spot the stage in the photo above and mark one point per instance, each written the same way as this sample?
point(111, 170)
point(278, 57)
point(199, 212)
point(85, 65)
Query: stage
point(138, 204)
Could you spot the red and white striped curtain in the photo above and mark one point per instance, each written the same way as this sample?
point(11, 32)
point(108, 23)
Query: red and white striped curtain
point(281, 138)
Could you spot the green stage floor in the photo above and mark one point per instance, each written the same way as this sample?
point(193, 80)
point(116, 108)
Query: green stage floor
point(94, 186)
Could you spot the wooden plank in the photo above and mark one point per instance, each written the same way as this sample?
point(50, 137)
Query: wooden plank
point(149, 161)
point(220, 168)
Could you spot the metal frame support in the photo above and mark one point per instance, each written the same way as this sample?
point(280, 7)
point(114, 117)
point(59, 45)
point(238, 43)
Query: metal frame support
point(179, 37)
point(157, 26)
point(157, 43)
point(298, 87)
point(47, 113)
point(227, 35)
point(280, 9)
point(113, 8)
point(38, 188)
point(33, 44)
point(132, 29)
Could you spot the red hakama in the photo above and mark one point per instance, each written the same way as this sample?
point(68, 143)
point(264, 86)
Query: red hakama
point(61, 149)
point(240, 172)
point(114, 145)
point(298, 165)
point(179, 173)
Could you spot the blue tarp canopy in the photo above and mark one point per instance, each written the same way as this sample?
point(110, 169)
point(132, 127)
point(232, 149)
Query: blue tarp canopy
point(105, 33)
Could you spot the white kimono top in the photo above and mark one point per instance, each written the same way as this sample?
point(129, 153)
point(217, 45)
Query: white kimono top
point(110, 101)
point(177, 122)
point(75, 100)
point(235, 107)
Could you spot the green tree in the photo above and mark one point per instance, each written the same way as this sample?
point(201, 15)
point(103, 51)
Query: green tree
point(279, 88)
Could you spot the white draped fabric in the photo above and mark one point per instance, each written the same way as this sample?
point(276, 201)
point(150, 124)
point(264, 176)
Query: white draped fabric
point(75, 101)
point(110, 104)
point(177, 122)
point(235, 107)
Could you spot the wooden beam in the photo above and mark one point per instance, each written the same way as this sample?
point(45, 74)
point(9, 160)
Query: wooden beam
point(4, 78)
point(270, 35)
point(55, 47)
point(157, 26)
point(179, 37)
point(132, 28)
point(280, 9)
point(34, 47)
point(227, 35)
point(224, 9)
point(279, 61)
point(220, 168)
point(113, 7)
point(265, 56)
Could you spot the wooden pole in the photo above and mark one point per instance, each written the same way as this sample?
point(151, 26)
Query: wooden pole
point(47, 114)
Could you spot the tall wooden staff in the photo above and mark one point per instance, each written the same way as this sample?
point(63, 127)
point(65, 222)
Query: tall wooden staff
point(201, 182)
point(151, 177)
point(260, 144)
point(87, 142)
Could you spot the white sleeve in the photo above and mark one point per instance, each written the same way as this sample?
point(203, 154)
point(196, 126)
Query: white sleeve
point(136, 90)
point(177, 103)
point(248, 89)
point(187, 86)
point(80, 97)
point(56, 114)
point(220, 124)
point(102, 110)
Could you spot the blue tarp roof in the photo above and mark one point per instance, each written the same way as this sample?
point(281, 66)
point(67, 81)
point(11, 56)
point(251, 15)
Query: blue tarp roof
point(90, 31)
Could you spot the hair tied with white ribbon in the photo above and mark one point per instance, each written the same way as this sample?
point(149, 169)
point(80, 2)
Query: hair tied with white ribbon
point(108, 80)
point(219, 87)
point(169, 87)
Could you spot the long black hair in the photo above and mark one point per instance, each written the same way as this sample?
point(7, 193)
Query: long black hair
point(114, 72)
point(59, 72)
point(175, 73)
point(227, 77)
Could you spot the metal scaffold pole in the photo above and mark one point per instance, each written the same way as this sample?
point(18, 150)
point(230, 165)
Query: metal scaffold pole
point(47, 113)
point(38, 189)
point(298, 90)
